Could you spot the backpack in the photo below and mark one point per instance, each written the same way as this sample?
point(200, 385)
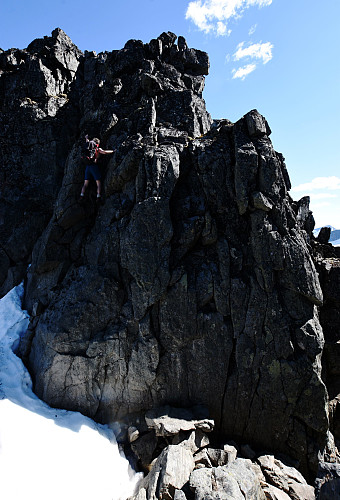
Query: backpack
point(89, 151)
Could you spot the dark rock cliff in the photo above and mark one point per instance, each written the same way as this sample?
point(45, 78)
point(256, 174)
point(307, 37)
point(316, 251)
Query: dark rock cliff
point(194, 283)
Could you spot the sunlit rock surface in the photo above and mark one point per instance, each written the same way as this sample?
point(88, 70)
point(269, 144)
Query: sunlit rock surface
point(194, 282)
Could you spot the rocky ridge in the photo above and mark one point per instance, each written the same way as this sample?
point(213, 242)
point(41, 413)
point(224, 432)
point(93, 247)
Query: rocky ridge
point(195, 282)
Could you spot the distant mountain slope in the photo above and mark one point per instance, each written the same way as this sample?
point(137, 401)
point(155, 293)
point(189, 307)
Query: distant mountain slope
point(335, 235)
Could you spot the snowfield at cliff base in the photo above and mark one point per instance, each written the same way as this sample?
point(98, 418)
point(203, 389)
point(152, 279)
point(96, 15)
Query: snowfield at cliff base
point(47, 453)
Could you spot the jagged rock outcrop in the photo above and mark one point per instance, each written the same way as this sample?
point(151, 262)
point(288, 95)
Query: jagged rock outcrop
point(329, 272)
point(188, 468)
point(38, 125)
point(194, 283)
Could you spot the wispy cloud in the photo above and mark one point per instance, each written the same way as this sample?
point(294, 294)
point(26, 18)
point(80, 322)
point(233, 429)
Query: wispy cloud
point(321, 196)
point(212, 16)
point(254, 51)
point(251, 53)
point(319, 205)
point(252, 30)
point(244, 71)
point(221, 29)
point(331, 182)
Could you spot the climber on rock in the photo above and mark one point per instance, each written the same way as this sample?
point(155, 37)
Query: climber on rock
point(91, 154)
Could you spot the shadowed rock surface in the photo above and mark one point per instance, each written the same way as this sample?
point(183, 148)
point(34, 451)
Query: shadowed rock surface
point(194, 283)
point(38, 125)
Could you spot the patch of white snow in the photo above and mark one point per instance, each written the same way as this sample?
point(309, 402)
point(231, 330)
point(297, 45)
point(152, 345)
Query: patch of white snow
point(47, 453)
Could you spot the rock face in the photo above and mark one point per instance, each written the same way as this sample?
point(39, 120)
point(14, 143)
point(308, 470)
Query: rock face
point(194, 283)
point(38, 125)
point(329, 272)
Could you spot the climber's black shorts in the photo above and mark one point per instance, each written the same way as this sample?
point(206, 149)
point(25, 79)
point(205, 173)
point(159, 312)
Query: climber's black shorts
point(92, 170)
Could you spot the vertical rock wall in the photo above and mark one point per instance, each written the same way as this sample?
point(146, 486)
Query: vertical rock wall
point(38, 125)
point(194, 282)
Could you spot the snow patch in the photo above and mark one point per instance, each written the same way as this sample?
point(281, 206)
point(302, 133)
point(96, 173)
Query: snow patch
point(48, 453)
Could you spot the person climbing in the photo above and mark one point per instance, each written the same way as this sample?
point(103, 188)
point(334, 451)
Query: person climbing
point(91, 156)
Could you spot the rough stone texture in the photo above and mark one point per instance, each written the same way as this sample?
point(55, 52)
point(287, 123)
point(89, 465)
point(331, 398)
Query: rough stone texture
point(179, 495)
point(327, 484)
point(38, 126)
point(218, 457)
point(231, 452)
point(194, 282)
point(218, 474)
point(169, 421)
point(329, 270)
point(196, 440)
point(170, 472)
point(237, 481)
point(273, 493)
point(286, 478)
point(144, 448)
point(133, 434)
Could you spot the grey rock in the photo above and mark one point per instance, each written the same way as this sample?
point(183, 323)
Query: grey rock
point(237, 481)
point(170, 472)
point(168, 421)
point(273, 493)
point(231, 452)
point(133, 434)
point(202, 459)
point(179, 495)
point(182, 288)
point(329, 269)
point(286, 478)
point(327, 484)
point(261, 202)
point(39, 120)
point(194, 442)
point(140, 495)
point(256, 123)
point(217, 457)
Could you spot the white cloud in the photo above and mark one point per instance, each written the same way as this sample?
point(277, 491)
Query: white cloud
point(213, 15)
point(221, 29)
point(243, 71)
point(331, 182)
point(321, 196)
point(254, 51)
point(262, 51)
point(318, 205)
point(252, 30)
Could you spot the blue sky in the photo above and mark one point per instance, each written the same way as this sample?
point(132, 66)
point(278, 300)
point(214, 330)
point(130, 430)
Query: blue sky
point(278, 56)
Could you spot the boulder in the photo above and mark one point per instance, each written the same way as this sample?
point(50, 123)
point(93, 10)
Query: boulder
point(273, 493)
point(168, 421)
point(169, 473)
point(237, 481)
point(196, 440)
point(286, 478)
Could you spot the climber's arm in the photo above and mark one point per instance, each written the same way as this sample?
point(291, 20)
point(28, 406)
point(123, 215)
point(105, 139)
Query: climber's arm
point(106, 151)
